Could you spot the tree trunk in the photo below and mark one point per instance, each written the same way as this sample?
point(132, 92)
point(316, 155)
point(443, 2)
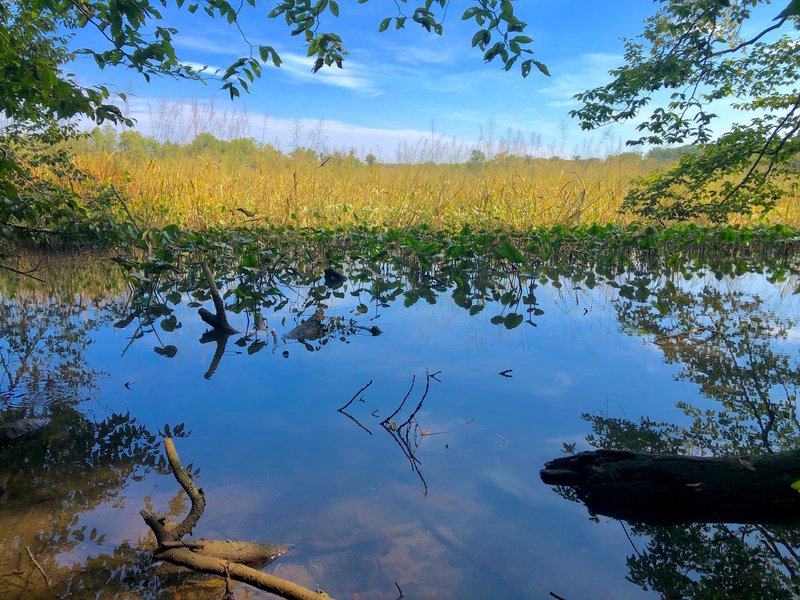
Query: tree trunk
point(664, 489)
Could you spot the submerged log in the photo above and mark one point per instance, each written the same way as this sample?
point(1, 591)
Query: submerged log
point(252, 554)
point(671, 489)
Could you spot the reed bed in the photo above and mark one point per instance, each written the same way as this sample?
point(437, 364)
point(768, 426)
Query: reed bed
point(212, 183)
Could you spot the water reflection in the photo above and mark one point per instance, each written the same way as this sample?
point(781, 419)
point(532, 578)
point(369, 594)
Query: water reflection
point(105, 370)
point(407, 434)
point(63, 461)
point(741, 354)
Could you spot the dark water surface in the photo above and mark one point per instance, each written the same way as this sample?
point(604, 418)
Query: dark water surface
point(449, 506)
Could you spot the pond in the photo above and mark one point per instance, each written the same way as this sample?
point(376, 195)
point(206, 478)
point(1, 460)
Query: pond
point(397, 442)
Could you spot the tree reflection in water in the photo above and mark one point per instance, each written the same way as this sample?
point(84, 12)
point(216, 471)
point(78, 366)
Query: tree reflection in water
point(74, 463)
point(728, 342)
point(735, 349)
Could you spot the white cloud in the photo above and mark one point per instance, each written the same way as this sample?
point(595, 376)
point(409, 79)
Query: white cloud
point(204, 44)
point(585, 72)
point(355, 77)
point(433, 52)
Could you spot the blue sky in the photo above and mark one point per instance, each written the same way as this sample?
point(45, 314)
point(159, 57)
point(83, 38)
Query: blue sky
point(397, 89)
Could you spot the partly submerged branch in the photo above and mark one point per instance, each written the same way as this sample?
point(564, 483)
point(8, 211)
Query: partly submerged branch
point(187, 483)
point(668, 488)
point(226, 558)
point(217, 320)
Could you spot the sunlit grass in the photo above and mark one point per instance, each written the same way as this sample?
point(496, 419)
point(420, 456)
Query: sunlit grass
point(196, 186)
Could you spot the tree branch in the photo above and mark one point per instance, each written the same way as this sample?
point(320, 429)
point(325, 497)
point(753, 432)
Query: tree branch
point(744, 44)
point(218, 557)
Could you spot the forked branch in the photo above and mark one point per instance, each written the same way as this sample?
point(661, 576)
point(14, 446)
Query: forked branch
point(218, 557)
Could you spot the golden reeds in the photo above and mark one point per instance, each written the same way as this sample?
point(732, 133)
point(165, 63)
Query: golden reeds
point(233, 183)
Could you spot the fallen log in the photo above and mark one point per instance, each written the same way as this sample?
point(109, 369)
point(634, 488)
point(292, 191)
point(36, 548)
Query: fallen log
point(672, 489)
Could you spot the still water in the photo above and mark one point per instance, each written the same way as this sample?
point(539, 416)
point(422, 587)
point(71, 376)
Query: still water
point(435, 497)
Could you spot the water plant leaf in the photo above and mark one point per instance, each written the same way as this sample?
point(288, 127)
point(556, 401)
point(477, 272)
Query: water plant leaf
point(170, 323)
point(168, 351)
point(513, 320)
point(510, 253)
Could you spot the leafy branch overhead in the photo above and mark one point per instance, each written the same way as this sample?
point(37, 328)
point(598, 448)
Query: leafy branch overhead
point(693, 57)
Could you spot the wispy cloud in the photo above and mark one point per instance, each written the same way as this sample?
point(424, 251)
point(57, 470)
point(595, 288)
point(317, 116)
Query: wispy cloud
point(355, 77)
point(586, 71)
point(205, 44)
point(433, 52)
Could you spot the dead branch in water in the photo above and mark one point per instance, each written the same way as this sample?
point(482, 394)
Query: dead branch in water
point(38, 567)
point(218, 321)
point(402, 434)
point(224, 558)
point(343, 409)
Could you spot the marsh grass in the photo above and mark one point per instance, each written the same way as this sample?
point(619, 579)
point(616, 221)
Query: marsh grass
point(214, 183)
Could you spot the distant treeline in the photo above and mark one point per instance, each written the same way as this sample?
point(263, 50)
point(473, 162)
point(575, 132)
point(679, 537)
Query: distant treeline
point(136, 146)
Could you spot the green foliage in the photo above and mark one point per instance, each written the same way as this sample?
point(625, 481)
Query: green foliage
point(694, 51)
point(691, 49)
point(34, 91)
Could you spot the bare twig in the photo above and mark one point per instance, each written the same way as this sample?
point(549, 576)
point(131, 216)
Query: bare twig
point(397, 410)
point(354, 420)
point(23, 273)
point(356, 395)
point(351, 417)
point(428, 378)
point(38, 567)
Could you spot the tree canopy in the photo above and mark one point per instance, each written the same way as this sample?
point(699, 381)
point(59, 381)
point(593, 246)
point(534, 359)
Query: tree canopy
point(693, 53)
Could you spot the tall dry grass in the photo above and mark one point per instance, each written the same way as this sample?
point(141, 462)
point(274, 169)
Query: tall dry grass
point(209, 182)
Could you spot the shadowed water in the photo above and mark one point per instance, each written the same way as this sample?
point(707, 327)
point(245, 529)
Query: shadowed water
point(438, 495)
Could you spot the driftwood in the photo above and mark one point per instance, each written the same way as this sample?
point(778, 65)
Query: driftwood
point(313, 328)
point(218, 320)
point(226, 558)
point(664, 489)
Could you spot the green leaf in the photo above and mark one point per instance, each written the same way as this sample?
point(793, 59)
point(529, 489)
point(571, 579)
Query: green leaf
point(542, 67)
point(510, 253)
point(384, 24)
